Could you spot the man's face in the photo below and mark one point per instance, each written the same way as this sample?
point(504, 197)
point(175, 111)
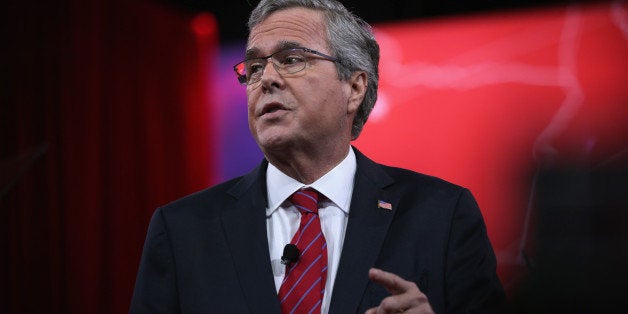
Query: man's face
point(311, 109)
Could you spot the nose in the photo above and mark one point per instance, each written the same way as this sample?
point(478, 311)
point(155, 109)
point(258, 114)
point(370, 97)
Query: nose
point(271, 79)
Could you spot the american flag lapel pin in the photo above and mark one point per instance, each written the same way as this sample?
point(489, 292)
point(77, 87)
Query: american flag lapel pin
point(384, 205)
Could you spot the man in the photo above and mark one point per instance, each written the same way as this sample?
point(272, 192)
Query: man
point(368, 238)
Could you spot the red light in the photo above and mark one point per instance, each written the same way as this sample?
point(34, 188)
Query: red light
point(204, 25)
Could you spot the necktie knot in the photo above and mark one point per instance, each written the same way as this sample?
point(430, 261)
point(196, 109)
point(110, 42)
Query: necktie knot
point(306, 200)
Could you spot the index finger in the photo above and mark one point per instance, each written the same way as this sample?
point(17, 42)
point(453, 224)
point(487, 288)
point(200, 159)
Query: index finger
point(393, 283)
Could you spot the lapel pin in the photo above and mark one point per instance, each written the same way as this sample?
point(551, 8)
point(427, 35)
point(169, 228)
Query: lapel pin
point(384, 205)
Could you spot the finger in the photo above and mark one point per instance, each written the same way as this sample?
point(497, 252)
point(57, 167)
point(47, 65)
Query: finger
point(395, 304)
point(393, 283)
point(407, 305)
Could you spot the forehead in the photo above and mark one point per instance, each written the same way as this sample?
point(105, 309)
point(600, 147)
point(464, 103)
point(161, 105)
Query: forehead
point(301, 26)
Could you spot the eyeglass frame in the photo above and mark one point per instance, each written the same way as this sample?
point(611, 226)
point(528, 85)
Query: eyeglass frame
point(278, 67)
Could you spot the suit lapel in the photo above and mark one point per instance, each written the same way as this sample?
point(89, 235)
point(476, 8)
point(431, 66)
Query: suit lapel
point(245, 231)
point(366, 230)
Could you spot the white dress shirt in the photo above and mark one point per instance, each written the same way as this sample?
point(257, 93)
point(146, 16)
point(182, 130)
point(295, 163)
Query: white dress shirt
point(282, 218)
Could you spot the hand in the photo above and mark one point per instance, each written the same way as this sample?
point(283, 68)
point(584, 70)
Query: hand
point(405, 295)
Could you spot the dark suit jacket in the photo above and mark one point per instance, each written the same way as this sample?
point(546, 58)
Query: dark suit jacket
point(208, 252)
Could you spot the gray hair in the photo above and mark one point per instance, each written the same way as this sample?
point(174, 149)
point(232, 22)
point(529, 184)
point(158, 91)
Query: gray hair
point(350, 39)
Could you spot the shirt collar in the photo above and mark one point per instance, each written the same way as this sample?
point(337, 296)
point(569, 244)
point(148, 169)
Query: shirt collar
point(336, 185)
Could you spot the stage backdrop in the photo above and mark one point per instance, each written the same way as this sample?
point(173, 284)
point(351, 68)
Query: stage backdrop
point(484, 101)
point(104, 115)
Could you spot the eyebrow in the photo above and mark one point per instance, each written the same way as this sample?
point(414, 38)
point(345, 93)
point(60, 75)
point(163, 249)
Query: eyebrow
point(253, 52)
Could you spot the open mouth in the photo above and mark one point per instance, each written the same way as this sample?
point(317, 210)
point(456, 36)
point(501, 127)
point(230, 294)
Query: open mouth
point(272, 107)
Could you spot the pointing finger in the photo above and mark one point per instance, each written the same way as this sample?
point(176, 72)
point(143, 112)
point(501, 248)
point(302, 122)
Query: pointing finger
point(393, 283)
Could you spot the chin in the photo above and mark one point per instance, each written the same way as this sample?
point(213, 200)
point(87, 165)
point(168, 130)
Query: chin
point(274, 136)
point(277, 146)
point(271, 146)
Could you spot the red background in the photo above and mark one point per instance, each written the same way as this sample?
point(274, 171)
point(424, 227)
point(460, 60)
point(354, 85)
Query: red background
point(103, 117)
point(487, 101)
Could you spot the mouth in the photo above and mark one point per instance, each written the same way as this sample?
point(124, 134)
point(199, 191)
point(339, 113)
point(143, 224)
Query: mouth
point(271, 108)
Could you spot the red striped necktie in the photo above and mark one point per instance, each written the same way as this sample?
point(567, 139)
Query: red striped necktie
point(304, 283)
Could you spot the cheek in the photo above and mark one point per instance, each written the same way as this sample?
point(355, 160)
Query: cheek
point(337, 100)
point(250, 109)
point(251, 99)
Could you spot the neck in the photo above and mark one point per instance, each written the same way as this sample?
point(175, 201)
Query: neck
point(307, 166)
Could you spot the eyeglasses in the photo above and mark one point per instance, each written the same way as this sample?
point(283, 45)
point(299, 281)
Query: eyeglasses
point(285, 61)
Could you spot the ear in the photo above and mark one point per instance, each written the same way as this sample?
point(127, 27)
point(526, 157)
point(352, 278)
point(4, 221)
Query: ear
point(358, 83)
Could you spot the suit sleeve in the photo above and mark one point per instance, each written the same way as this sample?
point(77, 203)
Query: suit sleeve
point(155, 288)
point(471, 279)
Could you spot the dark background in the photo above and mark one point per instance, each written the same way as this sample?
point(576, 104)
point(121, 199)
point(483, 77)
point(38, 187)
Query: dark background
point(232, 15)
point(102, 119)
